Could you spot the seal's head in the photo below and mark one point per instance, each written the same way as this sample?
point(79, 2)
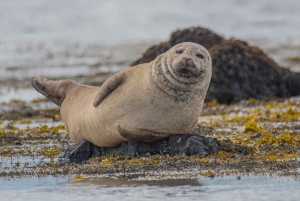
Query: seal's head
point(189, 62)
point(186, 66)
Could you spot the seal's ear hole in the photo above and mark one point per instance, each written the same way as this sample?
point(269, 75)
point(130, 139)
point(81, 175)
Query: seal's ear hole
point(179, 51)
point(200, 56)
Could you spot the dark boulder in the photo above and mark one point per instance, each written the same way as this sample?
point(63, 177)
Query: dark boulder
point(188, 144)
point(240, 71)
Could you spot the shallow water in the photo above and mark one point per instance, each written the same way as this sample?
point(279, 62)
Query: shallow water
point(8, 94)
point(114, 22)
point(75, 39)
point(220, 188)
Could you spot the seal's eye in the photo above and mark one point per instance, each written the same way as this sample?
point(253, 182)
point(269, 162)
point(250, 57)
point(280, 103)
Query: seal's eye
point(200, 56)
point(179, 51)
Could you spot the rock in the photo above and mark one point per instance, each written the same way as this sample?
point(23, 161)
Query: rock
point(188, 144)
point(212, 145)
point(240, 71)
point(77, 153)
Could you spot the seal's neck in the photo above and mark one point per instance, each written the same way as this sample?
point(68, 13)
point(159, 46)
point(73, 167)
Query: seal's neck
point(180, 91)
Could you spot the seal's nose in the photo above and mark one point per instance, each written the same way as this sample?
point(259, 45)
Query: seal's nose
point(187, 60)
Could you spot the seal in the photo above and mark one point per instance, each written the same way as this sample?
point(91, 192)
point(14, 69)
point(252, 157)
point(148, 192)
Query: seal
point(145, 103)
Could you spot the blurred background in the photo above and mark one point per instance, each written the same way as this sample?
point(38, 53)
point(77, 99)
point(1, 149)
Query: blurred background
point(88, 41)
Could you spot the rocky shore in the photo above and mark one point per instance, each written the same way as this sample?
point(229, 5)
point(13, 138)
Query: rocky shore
point(250, 124)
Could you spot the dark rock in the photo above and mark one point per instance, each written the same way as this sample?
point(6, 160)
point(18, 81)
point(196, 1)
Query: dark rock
point(78, 153)
point(188, 144)
point(240, 71)
point(212, 145)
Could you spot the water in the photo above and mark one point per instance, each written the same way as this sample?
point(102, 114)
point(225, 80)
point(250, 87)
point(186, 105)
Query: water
point(76, 39)
point(114, 22)
point(103, 188)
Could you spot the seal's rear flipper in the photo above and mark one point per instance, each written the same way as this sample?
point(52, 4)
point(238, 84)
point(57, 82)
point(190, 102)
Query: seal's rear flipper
point(139, 135)
point(53, 90)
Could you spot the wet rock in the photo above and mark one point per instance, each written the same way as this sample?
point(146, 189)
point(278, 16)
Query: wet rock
point(240, 71)
point(188, 144)
point(212, 145)
point(78, 153)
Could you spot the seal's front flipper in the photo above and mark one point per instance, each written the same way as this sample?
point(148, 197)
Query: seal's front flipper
point(107, 87)
point(53, 90)
point(139, 135)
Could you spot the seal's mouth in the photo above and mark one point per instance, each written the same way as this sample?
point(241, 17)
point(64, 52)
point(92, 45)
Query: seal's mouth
point(186, 68)
point(186, 73)
point(190, 73)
